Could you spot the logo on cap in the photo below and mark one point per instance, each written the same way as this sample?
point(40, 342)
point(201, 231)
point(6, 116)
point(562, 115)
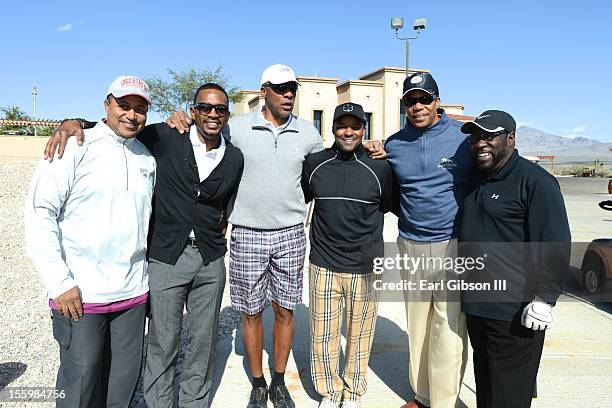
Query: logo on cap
point(416, 80)
point(347, 108)
point(135, 82)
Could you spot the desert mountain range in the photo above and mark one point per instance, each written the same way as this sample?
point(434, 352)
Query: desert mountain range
point(534, 142)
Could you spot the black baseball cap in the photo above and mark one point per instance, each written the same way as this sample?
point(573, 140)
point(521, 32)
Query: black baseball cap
point(350, 108)
point(491, 121)
point(421, 81)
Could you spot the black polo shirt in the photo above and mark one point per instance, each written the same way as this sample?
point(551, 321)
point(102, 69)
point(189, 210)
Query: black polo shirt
point(182, 203)
point(518, 219)
point(352, 192)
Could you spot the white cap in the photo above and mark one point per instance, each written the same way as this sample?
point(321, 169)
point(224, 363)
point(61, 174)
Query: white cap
point(278, 74)
point(129, 85)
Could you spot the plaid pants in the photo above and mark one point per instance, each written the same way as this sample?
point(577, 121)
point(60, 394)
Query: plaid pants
point(331, 294)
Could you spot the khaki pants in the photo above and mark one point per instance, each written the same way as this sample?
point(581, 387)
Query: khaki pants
point(436, 329)
point(334, 295)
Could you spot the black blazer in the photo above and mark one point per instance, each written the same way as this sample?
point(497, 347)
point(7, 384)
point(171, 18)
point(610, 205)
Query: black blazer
point(177, 207)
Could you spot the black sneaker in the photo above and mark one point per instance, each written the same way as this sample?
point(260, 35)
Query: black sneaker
point(258, 398)
point(279, 395)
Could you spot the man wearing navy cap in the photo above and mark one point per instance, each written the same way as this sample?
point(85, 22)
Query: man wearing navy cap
point(432, 164)
point(517, 217)
point(345, 235)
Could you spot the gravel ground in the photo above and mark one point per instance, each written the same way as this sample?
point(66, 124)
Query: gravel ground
point(29, 354)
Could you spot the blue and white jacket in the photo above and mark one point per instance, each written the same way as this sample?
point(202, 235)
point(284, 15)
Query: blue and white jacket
point(435, 171)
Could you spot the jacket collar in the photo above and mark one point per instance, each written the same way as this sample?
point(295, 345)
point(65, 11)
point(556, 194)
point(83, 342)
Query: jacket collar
point(355, 154)
point(195, 140)
point(440, 126)
point(258, 122)
point(503, 173)
point(109, 134)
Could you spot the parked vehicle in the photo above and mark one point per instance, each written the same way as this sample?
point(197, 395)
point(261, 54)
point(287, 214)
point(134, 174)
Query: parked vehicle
point(597, 264)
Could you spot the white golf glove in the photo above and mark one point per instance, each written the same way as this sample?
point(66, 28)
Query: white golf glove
point(537, 315)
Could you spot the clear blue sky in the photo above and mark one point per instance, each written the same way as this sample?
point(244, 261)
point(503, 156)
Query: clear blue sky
point(549, 63)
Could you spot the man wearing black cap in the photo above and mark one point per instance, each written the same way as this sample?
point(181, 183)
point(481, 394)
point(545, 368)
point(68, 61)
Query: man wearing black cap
point(432, 164)
point(351, 192)
point(517, 217)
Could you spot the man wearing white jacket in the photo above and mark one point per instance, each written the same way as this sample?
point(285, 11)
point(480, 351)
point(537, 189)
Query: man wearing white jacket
point(86, 222)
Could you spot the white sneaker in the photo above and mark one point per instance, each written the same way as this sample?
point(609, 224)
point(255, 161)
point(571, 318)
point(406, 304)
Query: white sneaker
point(351, 404)
point(327, 404)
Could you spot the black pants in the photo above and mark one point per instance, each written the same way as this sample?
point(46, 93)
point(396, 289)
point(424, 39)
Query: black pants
point(100, 357)
point(506, 361)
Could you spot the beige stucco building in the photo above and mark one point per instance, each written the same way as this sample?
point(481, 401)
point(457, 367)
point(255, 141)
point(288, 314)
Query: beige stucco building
point(379, 92)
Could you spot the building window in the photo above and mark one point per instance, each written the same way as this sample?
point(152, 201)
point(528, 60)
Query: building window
point(317, 121)
point(402, 114)
point(368, 125)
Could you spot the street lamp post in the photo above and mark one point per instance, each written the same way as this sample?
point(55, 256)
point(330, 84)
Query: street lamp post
point(34, 93)
point(397, 23)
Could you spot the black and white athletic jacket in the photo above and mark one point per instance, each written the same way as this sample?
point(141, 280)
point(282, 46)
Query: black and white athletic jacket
point(352, 192)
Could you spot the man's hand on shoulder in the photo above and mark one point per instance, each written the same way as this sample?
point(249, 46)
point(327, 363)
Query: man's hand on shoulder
point(375, 149)
point(69, 303)
point(179, 121)
point(59, 138)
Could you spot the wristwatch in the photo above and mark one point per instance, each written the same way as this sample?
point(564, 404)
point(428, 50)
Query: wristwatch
point(85, 124)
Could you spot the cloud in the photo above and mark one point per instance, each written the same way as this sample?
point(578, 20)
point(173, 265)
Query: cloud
point(579, 130)
point(65, 27)
point(529, 123)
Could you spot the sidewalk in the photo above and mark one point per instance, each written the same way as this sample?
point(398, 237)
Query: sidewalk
point(576, 365)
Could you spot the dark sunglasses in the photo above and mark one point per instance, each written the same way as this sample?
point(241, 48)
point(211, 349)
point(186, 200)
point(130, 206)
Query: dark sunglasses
point(283, 88)
point(423, 100)
point(485, 136)
point(206, 108)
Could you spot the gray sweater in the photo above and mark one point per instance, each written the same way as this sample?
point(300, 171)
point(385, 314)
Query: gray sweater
point(269, 195)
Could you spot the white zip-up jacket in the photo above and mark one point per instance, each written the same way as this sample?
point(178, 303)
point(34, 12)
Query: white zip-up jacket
point(87, 218)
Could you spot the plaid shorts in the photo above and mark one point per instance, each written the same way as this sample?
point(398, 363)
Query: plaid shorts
point(266, 264)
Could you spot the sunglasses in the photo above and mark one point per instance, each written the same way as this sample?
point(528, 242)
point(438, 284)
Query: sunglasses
point(283, 88)
point(206, 108)
point(423, 100)
point(485, 136)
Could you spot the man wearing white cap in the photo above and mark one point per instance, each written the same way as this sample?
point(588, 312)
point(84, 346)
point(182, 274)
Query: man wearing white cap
point(268, 243)
point(197, 176)
point(86, 222)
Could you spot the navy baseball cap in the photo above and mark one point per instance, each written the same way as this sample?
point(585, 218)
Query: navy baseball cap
point(350, 108)
point(491, 121)
point(421, 81)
